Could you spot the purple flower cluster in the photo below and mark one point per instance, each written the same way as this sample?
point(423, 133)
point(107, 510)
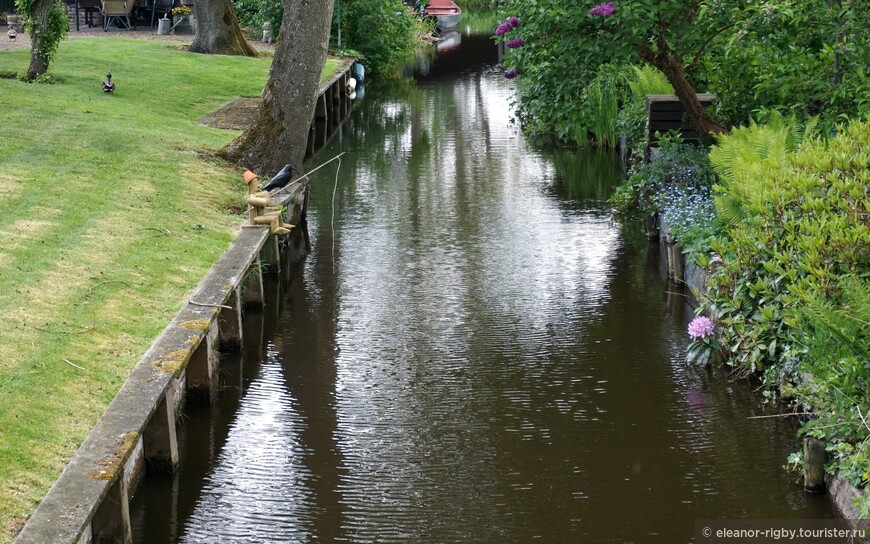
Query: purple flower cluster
point(507, 26)
point(605, 9)
point(701, 327)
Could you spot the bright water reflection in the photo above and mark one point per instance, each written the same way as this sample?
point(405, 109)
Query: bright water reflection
point(476, 352)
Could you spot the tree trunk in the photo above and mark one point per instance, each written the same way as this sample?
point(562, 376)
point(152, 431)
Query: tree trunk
point(39, 59)
point(218, 31)
point(672, 67)
point(280, 130)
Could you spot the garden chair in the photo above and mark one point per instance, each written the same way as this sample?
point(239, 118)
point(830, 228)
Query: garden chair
point(118, 11)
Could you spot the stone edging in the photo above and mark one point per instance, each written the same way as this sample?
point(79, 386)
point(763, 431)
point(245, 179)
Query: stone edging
point(89, 501)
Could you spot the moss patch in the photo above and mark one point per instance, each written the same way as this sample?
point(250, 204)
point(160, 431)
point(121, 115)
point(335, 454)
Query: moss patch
point(197, 325)
point(108, 467)
point(175, 361)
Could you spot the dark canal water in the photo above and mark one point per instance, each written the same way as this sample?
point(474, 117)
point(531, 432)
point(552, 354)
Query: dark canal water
point(473, 351)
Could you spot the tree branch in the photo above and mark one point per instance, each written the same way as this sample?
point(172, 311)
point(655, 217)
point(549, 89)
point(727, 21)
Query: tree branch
point(704, 45)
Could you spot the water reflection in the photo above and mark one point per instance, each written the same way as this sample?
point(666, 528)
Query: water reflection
point(475, 352)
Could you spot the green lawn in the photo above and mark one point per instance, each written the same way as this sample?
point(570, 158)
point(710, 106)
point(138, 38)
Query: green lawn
point(109, 217)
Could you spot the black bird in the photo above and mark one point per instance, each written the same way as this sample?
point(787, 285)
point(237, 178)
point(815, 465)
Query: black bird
point(108, 84)
point(281, 179)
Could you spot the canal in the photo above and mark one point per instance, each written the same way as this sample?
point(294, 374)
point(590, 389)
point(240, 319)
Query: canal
point(473, 351)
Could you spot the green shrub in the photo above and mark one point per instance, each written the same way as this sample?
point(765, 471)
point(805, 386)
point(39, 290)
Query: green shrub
point(676, 184)
point(594, 118)
point(792, 297)
point(386, 32)
point(253, 13)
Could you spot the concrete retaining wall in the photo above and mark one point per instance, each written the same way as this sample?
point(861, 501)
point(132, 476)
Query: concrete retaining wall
point(89, 502)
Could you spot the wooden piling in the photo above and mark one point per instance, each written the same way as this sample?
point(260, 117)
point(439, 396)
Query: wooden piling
point(815, 456)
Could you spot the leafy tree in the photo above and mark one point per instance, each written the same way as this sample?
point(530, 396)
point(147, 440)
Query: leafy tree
point(807, 58)
point(670, 35)
point(218, 31)
point(47, 23)
point(280, 129)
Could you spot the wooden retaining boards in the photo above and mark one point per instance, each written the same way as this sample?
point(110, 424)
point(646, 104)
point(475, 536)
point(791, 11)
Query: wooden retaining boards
point(331, 108)
point(92, 486)
point(665, 112)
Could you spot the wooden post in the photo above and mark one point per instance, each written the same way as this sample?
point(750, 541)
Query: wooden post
point(814, 465)
point(160, 439)
point(651, 227)
point(321, 121)
point(312, 136)
point(677, 259)
point(111, 522)
point(252, 286)
point(230, 323)
point(202, 370)
point(270, 255)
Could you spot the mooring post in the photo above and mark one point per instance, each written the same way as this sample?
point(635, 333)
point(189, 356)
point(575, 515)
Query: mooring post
point(160, 438)
point(202, 370)
point(815, 455)
point(111, 522)
point(230, 322)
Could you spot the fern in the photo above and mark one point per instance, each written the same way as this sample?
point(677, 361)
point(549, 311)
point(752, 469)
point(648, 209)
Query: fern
point(745, 159)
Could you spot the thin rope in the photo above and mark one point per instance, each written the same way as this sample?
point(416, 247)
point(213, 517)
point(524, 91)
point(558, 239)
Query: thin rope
point(332, 219)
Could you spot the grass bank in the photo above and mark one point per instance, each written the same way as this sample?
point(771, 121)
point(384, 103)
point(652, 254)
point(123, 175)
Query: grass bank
point(109, 217)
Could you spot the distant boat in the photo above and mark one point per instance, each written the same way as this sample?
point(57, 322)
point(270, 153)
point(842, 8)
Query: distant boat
point(446, 13)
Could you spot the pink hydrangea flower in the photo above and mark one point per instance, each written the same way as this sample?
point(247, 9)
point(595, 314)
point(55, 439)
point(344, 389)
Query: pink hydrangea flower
point(516, 43)
point(510, 74)
point(514, 22)
point(604, 10)
point(701, 327)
